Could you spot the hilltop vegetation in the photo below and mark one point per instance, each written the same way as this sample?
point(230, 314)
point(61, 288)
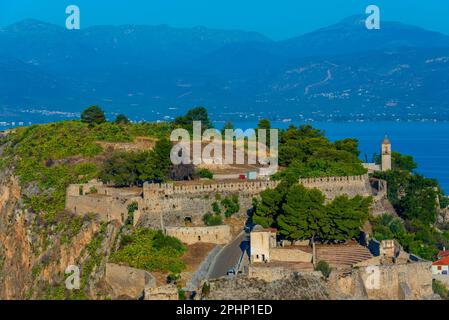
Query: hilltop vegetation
point(300, 213)
point(150, 250)
point(49, 157)
point(306, 152)
point(414, 198)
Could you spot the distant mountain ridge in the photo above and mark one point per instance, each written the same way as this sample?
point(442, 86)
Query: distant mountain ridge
point(343, 71)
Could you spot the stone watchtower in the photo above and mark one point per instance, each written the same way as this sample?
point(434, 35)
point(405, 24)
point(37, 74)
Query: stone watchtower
point(386, 154)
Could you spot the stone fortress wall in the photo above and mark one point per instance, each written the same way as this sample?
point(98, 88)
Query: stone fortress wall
point(405, 281)
point(169, 204)
point(190, 235)
point(332, 187)
point(95, 197)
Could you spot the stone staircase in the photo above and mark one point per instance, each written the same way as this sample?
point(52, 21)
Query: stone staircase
point(342, 255)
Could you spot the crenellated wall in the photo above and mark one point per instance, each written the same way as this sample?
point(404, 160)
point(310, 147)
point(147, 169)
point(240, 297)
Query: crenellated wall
point(332, 187)
point(205, 187)
point(168, 204)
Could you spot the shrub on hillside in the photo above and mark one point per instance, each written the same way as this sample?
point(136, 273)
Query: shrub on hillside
point(212, 219)
point(152, 251)
point(324, 267)
point(204, 173)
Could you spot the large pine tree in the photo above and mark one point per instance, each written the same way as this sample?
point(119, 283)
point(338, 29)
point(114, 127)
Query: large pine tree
point(302, 213)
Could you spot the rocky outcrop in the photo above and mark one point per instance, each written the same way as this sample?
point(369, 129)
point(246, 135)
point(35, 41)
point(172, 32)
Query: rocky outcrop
point(34, 253)
point(15, 250)
point(384, 282)
point(295, 287)
point(167, 292)
point(127, 281)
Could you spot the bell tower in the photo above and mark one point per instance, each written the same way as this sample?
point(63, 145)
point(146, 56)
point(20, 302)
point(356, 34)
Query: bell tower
point(386, 154)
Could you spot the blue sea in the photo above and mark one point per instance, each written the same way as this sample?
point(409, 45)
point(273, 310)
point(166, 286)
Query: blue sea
point(427, 142)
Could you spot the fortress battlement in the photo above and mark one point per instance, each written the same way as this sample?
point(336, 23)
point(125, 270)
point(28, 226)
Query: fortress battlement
point(247, 187)
point(175, 201)
point(306, 181)
point(151, 190)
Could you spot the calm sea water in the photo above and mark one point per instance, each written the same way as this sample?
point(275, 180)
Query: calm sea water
point(427, 142)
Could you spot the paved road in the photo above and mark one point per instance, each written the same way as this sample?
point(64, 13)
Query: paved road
point(229, 256)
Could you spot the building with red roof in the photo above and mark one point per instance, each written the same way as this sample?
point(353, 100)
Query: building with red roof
point(443, 253)
point(441, 266)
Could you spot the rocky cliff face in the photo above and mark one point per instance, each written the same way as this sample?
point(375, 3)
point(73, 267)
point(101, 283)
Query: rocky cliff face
point(14, 247)
point(295, 287)
point(34, 253)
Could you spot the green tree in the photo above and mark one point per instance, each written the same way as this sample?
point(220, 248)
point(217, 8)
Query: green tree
point(444, 201)
point(120, 169)
point(268, 208)
point(93, 115)
point(302, 213)
point(227, 126)
point(195, 114)
point(306, 152)
point(346, 217)
point(266, 125)
point(231, 205)
point(402, 162)
point(349, 145)
point(121, 119)
point(216, 208)
point(128, 168)
point(160, 159)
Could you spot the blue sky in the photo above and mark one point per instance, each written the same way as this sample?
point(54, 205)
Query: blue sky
point(278, 19)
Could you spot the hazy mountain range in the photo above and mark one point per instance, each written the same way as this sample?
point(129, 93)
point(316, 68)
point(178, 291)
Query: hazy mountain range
point(342, 72)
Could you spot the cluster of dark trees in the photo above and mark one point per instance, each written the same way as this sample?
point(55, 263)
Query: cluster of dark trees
point(131, 168)
point(134, 168)
point(306, 152)
point(195, 114)
point(301, 213)
point(94, 115)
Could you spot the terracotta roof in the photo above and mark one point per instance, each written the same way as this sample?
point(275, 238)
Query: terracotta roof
point(443, 253)
point(386, 140)
point(442, 262)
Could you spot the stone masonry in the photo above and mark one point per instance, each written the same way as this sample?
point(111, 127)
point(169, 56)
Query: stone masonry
point(170, 204)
